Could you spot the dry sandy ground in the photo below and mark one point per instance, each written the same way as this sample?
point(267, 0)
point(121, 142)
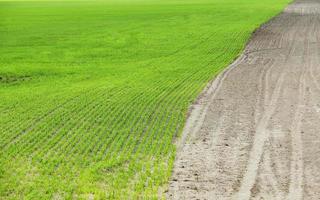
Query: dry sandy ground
point(255, 131)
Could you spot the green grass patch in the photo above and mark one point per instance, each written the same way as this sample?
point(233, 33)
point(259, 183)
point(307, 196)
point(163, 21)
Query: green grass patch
point(93, 93)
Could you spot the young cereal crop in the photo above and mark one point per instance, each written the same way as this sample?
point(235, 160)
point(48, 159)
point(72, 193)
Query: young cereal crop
point(94, 93)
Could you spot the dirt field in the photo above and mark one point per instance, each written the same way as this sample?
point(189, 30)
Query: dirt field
point(254, 133)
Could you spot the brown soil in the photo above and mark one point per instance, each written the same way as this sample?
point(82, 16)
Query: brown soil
point(255, 131)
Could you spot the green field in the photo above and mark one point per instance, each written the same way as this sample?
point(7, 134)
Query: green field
point(93, 94)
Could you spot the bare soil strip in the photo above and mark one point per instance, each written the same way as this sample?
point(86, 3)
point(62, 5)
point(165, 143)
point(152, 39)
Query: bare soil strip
point(254, 132)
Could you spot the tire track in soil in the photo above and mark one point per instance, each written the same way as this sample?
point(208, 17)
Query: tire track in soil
point(261, 136)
